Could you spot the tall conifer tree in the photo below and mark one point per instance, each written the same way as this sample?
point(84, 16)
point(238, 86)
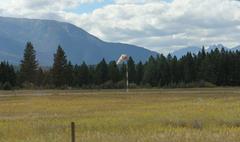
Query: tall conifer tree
point(131, 70)
point(59, 69)
point(29, 65)
point(101, 73)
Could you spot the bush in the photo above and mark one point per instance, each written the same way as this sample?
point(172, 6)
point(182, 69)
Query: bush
point(121, 84)
point(7, 86)
point(133, 86)
point(208, 84)
point(148, 86)
point(28, 85)
point(108, 85)
point(195, 84)
point(171, 85)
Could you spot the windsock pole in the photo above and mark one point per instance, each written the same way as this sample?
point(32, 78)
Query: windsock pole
point(122, 59)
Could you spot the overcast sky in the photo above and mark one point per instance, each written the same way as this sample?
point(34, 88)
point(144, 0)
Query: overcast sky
point(160, 25)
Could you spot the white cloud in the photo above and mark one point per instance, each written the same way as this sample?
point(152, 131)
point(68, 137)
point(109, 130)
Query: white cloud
point(154, 24)
point(35, 8)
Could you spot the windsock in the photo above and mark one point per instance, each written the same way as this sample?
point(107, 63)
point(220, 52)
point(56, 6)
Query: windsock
point(122, 58)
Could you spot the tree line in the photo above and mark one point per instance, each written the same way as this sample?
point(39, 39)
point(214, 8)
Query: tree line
point(205, 69)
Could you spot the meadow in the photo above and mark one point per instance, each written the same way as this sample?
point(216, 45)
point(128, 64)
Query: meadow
point(161, 115)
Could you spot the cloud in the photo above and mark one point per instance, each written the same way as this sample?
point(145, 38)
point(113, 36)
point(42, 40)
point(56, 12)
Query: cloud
point(165, 26)
point(30, 8)
point(155, 24)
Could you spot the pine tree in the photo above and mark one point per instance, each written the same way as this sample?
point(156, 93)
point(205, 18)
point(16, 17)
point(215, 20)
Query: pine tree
point(188, 67)
point(139, 73)
point(131, 70)
point(40, 77)
point(69, 74)
point(113, 72)
point(150, 73)
point(174, 70)
point(200, 65)
point(7, 74)
point(163, 70)
point(59, 68)
point(29, 65)
point(82, 75)
point(91, 78)
point(123, 69)
point(101, 73)
point(76, 82)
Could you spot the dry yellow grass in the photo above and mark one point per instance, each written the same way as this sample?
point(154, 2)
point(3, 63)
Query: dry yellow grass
point(178, 115)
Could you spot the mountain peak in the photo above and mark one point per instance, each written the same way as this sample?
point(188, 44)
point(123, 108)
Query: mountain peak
point(237, 48)
point(216, 46)
point(195, 49)
point(192, 49)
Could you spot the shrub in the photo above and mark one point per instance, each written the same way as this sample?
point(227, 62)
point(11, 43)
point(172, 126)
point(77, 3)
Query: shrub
point(108, 85)
point(148, 85)
point(195, 84)
point(28, 85)
point(121, 84)
point(7, 86)
point(133, 86)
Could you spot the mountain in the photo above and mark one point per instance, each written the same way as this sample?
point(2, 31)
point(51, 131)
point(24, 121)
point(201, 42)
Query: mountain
point(218, 46)
point(237, 48)
point(179, 53)
point(194, 49)
point(46, 35)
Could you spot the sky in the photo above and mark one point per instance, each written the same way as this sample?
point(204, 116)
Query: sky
point(159, 25)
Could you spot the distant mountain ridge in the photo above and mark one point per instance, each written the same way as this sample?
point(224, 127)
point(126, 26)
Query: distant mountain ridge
point(237, 48)
point(195, 49)
point(46, 35)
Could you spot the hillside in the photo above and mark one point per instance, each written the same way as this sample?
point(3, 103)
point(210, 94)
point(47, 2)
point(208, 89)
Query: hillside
point(46, 35)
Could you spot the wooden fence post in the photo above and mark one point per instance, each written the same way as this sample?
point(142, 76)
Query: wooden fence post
point(73, 132)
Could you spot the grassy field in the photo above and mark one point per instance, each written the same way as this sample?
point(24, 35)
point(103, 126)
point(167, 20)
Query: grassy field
point(180, 115)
